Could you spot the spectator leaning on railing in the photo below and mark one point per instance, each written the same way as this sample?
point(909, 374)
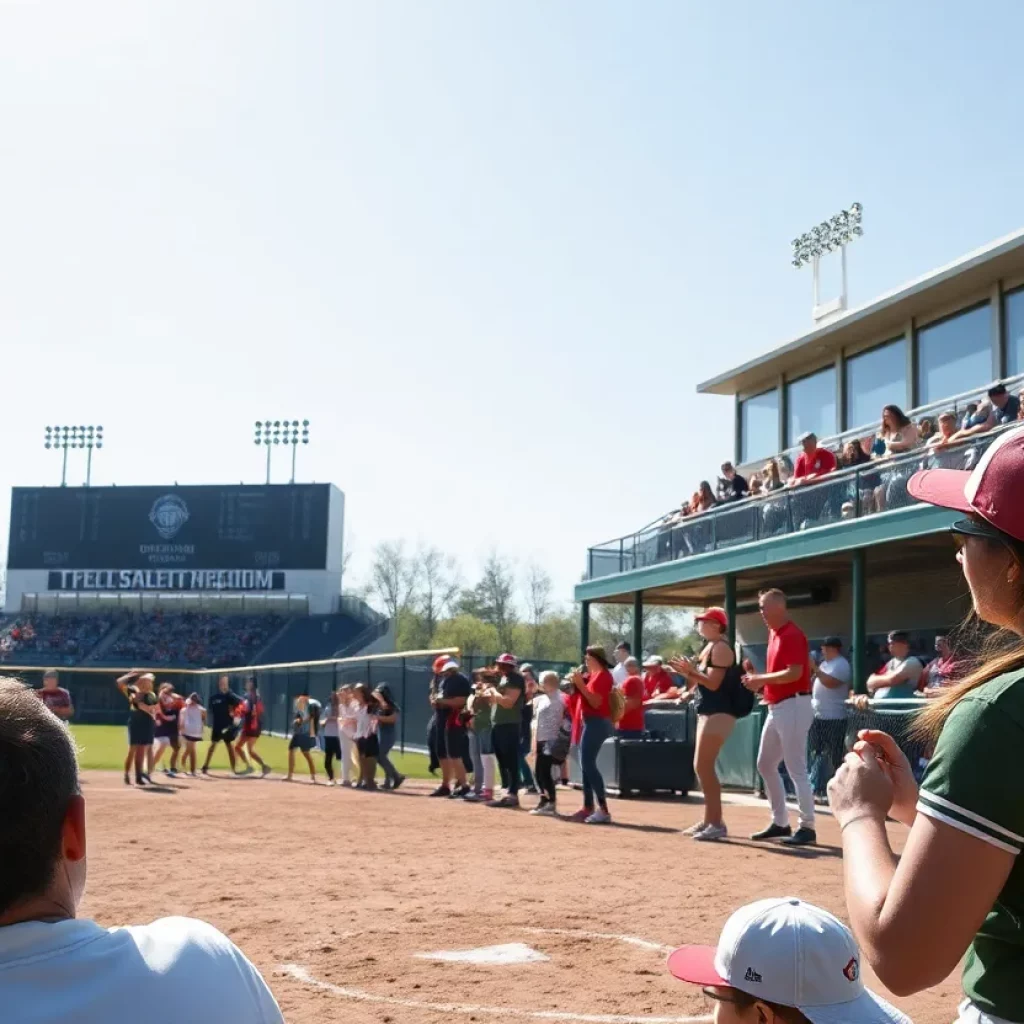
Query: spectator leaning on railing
point(813, 462)
point(736, 485)
point(771, 476)
point(946, 432)
point(901, 674)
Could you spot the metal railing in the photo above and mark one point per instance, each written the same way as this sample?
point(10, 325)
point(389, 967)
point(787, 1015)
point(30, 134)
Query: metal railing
point(864, 490)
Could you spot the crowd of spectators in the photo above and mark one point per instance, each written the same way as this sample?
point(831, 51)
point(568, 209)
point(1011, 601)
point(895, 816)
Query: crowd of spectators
point(897, 434)
point(194, 638)
point(63, 639)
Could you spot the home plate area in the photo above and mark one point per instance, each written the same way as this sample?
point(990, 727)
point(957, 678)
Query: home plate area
point(553, 974)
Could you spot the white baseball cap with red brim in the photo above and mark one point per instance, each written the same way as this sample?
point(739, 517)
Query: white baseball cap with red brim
point(790, 953)
point(992, 490)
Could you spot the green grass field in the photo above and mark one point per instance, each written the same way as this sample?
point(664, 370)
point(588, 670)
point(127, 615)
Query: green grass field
point(103, 747)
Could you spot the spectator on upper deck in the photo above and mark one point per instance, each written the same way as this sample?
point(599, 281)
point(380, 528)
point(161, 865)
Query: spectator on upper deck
point(785, 467)
point(755, 486)
point(901, 674)
point(813, 462)
point(969, 411)
point(705, 497)
point(946, 431)
point(771, 476)
point(736, 485)
point(1006, 406)
point(853, 455)
point(925, 429)
point(898, 433)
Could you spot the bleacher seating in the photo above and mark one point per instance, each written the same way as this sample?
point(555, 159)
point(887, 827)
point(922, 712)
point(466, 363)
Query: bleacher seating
point(192, 639)
point(315, 637)
point(51, 639)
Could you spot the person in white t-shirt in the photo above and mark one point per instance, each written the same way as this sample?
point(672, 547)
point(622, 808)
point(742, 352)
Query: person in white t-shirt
point(54, 967)
point(901, 674)
point(550, 720)
point(620, 672)
point(831, 679)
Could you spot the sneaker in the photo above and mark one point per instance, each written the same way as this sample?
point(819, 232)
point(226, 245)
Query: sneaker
point(802, 837)
point(249, 770)
point(532, 790)
point(140, 780)
point(711, 833)
point(127, 779)
point(195, 775)
point(773, 831)
point(347, 783)
point(167, 771)
point(287, 778)
point(329, 782)
point(145, 776)
point(398, 781)
point(206, 771)
point(264, 771)
point(473, 798)
point(582, 814)
point(459, 792)
point(599, 817)
point(545, 811)
point(173, 772)
point(440, 791)
point(695, 829)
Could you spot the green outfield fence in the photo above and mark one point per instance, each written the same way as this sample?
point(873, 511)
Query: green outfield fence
point(98, 701)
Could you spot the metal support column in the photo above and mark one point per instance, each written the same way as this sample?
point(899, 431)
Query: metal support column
point(584, 627)
point(638, 624)
point(858, 630)
point(730, 606)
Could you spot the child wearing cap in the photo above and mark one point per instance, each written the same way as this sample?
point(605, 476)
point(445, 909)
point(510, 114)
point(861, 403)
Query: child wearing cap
point(783, 961)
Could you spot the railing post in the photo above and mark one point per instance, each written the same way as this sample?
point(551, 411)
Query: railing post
point(730, 607)
point(789, 509)
point(584, 627)
point(622, 548)
point(401, 717)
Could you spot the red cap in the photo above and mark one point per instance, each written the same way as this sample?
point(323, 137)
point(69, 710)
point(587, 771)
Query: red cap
point(991, 490)
point(507, 659)
point(439, 664)
point(714, 615)
point(696, 964)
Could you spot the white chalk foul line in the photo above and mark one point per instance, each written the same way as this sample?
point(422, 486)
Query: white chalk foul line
point(631, 940)
point(300, 973)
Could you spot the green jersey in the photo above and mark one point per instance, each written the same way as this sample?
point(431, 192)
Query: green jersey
point(513, 715)
point(973, 783)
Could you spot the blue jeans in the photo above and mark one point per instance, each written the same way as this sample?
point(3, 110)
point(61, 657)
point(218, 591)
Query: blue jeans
point(595, 732)
point(524, 768)
point(386, 739)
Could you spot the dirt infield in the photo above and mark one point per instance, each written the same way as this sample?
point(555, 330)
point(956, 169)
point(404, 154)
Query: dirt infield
point(335, 894)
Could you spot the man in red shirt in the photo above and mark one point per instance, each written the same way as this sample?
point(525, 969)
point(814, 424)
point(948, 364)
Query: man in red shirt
point(658, 681)
point(55, 697)
point(786, 689)
point(631, 724)
point(812, 463)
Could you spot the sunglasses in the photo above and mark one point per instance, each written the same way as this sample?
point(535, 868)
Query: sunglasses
point(962, 529)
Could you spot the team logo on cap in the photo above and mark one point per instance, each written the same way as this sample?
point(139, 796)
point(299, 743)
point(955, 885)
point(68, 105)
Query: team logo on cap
point(852, 970)
point(752, 975)
point(168, 515)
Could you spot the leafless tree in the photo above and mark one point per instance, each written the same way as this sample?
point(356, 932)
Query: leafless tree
point(437, 588)
point(393, 577)
point(538, 601)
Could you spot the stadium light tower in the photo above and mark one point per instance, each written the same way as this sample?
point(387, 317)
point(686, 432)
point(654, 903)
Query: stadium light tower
point(835, 233)
point(274, 432)
point(64, 438)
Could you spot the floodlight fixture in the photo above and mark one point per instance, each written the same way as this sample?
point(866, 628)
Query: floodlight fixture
point(64, 438)
point(835, 233)
point(270, 433)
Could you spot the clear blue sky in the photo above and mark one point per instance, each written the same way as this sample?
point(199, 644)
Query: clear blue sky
point(489, 249)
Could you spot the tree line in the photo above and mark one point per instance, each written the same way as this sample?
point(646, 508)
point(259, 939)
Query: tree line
point(506, 608)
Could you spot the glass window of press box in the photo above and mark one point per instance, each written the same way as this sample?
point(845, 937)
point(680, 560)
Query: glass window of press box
point(759, 426)
point(1014, 310)
point(954, 355)
point(811, 406)
point(874, 379)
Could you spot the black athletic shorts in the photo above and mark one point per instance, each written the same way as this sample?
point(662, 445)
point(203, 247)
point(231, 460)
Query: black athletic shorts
point(302, 741)
point(452, 743)
point(368, 746)
point(228, 734)
point(140, 734)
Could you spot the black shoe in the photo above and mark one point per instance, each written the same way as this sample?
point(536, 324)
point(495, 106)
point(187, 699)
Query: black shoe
point(459, 792)
point(773, 831)
point(140, 780)
point(802, 837)
point(398, 781)
point(532, 790)
point(442, 791)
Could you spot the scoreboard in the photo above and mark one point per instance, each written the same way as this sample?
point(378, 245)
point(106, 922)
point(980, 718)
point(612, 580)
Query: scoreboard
point(223, 537)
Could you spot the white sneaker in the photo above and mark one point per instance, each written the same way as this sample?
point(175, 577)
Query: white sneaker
point(711, 833)
point(545, 810)
point(694, 830)
point(329, 782)
point(599, 817)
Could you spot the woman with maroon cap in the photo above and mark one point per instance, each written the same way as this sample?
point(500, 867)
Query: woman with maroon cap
point(966, 821)
point(709, 686)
